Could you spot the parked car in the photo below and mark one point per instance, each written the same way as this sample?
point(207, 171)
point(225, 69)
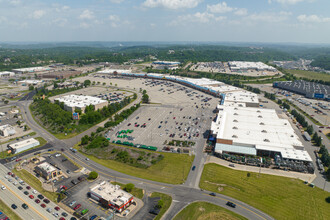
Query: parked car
point(28, 187)
point(46, 201)
point(72, 203)
point(37, 201)
point(43, 205)
point(76, 207)
point(41, 196)
point(49, 210)
point(25, 206)
point(31, 196)
point(57, 208)
point(14, 206)
point(26, 192)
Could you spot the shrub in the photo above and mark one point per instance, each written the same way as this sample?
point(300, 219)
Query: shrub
point(93, 175)
point(129, 187)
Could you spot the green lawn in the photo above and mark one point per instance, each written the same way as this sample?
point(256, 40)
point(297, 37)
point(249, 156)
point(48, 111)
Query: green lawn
point(280, 197)
point(167, 203)
point(8, 211)
point(136, 192)
point(5, 154)
point(309, 74)
point(173, 168)
point(206, 211)
point(35, 183)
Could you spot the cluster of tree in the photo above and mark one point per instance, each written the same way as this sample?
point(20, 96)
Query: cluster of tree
point(121, 117)
point(317, 139)
point(286, 105)
point(325, 157)
point(300, 118)
point(51, 113)
point(129, 187)
point(252, 89)
point(145, 97)
point(322, 61)
point(270, 96)
point(92, 175)
point(91, 116)
point(94, 141)
point(54, 92)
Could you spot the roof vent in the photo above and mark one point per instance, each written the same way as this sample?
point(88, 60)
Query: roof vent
point(259, 116)
point(235, 128)
point(235, 114)
point(234, 136)
point(261, 123)
point(235, 120)
point(264, 131)
point(266, 140)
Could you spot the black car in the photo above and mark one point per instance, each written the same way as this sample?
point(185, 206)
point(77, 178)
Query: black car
point(64, 214)
point(14, 206)
point(213, 194)
point(25, 206)
point(41, 196)
point(73, 218)
point(46, 201)
point(20, 188)
point(231, 204)
point(74, 182)
point(193, 168)
point(26, 192)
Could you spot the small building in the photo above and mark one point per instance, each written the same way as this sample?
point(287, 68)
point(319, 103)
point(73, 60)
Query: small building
point(80, 102)
point(22, 145)
point(6, 74)
point(111, 196)
point(47, 171)
point(7, 130)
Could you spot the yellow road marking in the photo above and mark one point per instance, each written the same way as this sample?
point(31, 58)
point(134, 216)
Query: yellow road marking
point(22, 199)
point(238, 205)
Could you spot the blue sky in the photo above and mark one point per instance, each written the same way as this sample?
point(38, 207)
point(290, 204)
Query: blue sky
point(301, 21)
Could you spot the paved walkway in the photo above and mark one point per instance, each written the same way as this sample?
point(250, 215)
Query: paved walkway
point(290, 174)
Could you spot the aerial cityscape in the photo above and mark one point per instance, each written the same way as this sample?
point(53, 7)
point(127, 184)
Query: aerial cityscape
point(164, 109)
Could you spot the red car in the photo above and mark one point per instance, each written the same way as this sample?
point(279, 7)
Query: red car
point(13, 174)
point(31, 196)
point(37, 201)
point(57, 208)
point(28, 187)
point(46, 201)
point(43, 205)
point(62, 218)
point(77, 207)
point(9, 173)
point(19, 159)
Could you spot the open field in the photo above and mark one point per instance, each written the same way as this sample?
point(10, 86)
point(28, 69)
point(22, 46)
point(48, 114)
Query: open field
point(173, 168)
point(35, 183)
point(280, 197)
point(309, 74)
point(136, 192)
point(206, 211)
point(167, 203)
point(8, 211)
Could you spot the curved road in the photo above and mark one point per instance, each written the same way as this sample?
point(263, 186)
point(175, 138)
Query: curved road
point(182, 195)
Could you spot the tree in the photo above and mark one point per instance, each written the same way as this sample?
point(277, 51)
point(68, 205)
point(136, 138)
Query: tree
point(129, 187)
point(31, 88)
point(6, 102)
point(310, 129)
point(93, 175)
point(87, 82)
point(160, 204)
point(19, 122)
point(145, 98)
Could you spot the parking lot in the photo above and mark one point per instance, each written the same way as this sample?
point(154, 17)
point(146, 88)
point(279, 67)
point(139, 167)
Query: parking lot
point(158, 124)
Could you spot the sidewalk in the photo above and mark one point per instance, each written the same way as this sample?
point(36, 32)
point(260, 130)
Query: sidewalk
point(302, 176)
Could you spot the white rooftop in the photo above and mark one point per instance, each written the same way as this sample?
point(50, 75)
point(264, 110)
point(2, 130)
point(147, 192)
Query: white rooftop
point(241, 96)
point(80, 100)
point(46, 167)
point(261, 128)
point(109, 70)
point(111, 193)
point(24, 143)
point(33, 69)
point(238, 65)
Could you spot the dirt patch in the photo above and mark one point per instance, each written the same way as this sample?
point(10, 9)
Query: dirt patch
point(201, 209)
point(221, 186)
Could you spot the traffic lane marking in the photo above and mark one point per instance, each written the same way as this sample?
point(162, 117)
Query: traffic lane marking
point(22, 199)
point(237, 205)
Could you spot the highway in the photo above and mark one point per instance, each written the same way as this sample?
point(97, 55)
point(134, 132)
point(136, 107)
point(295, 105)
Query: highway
point(182, 195)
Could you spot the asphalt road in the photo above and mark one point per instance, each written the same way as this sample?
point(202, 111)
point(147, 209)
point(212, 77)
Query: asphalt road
point(182, 195)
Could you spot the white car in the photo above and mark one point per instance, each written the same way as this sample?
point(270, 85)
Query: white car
point(6, 177)
point(34, 191)
point(3, 187)
point(57, 155)
point(15, 183)
point(55, 214)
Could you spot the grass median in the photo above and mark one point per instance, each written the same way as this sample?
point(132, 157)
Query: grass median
point(280, 197)
point(206, 211)
point(167, 203)
point(35, 183)
point(173, 168)
point(8, 211)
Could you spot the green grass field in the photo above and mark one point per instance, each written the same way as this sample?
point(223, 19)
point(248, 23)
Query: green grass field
point(173, 168)
point(35, 183)
point(309, 74)
point(167, 203)
point(206, 211)
point(280, 197)
point(136, 192)
point(8, 211)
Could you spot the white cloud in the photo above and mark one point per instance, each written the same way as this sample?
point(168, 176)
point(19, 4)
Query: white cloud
point(241, 12)
point(62, 8)
point(289, 2)
point(61, 22)
point(171, 4)
point(86, 14)
point(3, 19)
point(116, 1)
point(198, 17)
point(312, 19)
point(37, 14)
point(15, 2)
point(222, 7)
point(114, 20)
point(84, 25)
point(269, 17)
